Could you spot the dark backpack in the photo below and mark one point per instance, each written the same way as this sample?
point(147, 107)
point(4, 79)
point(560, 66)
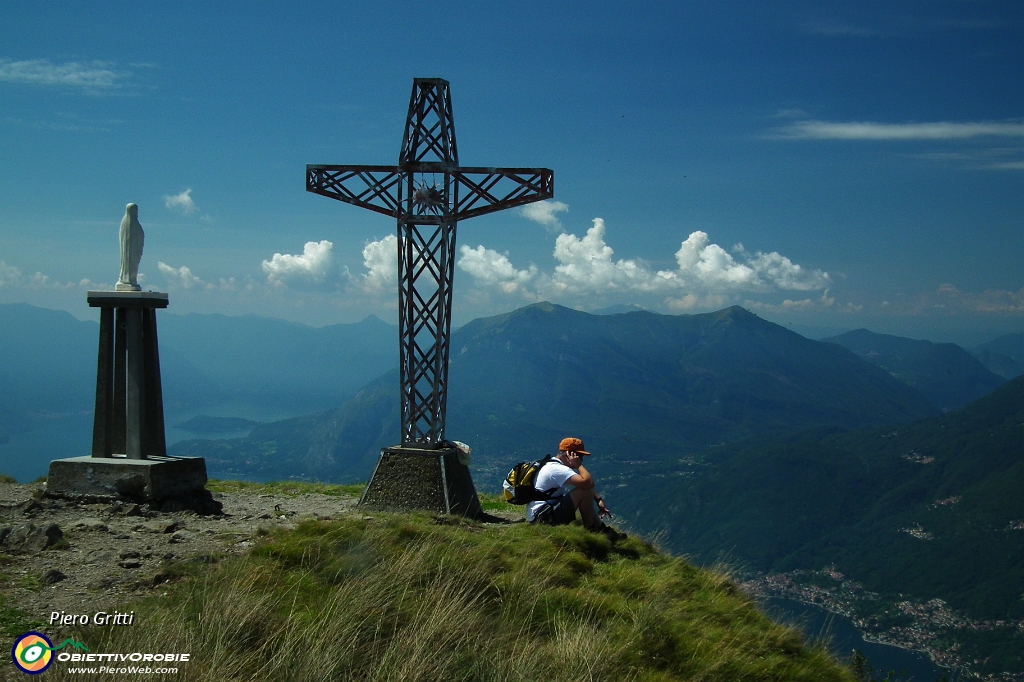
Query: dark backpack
point(518, 486)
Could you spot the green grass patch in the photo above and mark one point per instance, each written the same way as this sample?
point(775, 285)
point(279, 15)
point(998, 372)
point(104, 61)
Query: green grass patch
point(28, 582)
point(286, 488)
point(4, 478)
point(14, 622)
point(490, 502)
point(418, 597)
point(173, 571)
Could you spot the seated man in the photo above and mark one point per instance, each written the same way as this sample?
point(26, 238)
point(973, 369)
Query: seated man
point(572, 488)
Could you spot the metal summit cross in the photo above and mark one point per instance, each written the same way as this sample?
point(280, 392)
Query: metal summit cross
point(428, 193)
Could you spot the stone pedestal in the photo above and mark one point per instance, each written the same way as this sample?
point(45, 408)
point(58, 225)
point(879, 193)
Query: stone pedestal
point(129, 417)
point(408, 479)
point(139, 480)
point(129, 453)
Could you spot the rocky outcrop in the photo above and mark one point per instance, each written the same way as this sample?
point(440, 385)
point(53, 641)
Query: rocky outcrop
point(28, 538)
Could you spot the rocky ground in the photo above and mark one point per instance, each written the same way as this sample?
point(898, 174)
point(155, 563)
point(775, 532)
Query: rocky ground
point(62, 556)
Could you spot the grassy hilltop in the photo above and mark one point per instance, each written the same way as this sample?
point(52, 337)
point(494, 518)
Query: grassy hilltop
point(426, 597)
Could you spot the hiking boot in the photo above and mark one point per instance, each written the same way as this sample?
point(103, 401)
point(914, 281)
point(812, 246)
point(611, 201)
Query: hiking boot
point(611, 533)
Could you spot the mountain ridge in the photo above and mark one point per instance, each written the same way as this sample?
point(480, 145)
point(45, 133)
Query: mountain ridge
point(635, 383)
point(945, 373)
point(1003, 355)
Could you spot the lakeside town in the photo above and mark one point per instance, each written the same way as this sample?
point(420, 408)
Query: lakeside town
point(930, 627)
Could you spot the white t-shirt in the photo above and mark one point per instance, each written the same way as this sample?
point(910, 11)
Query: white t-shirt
point(554, 474)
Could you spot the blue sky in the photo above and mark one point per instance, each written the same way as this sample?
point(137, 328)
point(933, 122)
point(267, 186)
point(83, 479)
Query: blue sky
point(830, 164)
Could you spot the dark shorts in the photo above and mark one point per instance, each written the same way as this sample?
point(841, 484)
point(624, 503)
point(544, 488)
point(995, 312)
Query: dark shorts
point(556, 512)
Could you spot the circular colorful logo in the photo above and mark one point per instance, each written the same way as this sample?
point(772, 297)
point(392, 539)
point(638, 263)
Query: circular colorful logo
point(32, 653)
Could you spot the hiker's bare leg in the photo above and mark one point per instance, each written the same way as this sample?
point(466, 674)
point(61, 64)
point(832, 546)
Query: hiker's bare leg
point(584, 501)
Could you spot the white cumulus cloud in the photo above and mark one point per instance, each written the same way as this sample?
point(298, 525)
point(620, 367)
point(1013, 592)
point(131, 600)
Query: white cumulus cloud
point(703, 263)
point(706, 275)
point(381, 261)
point(783, 273)
point(803, 304)
point(181, 203)
point(182, 276)
point(543, 212)
point(312, 267)
point(41, 281)
point(586, 265)
point(690, 302)
point(9, 275)
point(489, 267)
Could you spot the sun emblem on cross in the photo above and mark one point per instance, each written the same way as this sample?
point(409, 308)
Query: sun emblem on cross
point(428, 197)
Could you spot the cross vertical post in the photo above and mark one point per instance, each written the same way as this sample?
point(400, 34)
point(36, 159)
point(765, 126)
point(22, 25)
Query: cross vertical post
point(428, 192)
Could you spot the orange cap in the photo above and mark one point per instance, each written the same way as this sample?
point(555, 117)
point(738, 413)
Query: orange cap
point(572, 445)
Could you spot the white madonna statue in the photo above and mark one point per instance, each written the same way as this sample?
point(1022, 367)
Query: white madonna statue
point(132, 238)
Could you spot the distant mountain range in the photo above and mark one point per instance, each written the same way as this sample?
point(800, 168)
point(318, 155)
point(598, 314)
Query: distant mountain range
point(47, 367)
point(635, 381)
point(268, 361)
point(210, 363)
point(637, 385)
point(1003, 355)
point(944, 373)
point(48, 359)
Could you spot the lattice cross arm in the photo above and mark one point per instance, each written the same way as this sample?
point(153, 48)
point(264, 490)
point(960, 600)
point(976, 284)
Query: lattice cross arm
point(374, 187)
point(486, 190)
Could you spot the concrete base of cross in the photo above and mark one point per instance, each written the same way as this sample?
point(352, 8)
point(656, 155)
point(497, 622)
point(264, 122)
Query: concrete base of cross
point(411, 479)
point(165, 482)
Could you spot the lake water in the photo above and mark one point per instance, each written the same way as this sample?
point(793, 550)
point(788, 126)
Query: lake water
point(843, 637)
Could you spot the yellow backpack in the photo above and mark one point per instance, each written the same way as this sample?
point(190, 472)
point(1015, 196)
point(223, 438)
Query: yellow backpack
point(518, 486)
